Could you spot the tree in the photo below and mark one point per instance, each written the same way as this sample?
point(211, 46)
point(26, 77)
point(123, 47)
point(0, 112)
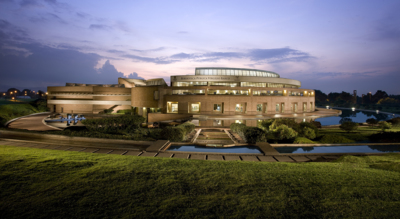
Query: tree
point(384, 125)
point(372, 121)
point(349, 126)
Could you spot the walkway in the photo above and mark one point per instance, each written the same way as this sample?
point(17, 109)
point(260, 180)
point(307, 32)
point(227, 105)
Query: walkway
point(191, 156)
point(32, 123)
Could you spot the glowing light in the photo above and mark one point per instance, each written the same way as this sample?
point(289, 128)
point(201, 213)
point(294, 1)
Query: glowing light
point(11, 92)
point(327, 107)
point(353, 109)
point(13, 98)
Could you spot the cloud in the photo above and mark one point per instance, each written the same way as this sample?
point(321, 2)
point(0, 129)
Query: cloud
point(30, 3)
point(387, 28)
point(134, 75)
point(47, 17)
point(182, 32)
point(149, 50)
point(257, 55)
point(99, 27)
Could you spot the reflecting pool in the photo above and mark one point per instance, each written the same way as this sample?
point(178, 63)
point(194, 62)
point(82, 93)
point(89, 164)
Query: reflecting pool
point(340, 149)
point(197, 148)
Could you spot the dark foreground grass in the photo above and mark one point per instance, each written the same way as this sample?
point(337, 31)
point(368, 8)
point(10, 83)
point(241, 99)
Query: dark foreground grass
point(38, 183)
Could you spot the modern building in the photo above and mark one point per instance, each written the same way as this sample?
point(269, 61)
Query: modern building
point(211, 91)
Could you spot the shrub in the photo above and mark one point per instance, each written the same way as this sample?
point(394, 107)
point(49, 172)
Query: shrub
point(288, 122)
point(177, 133)
point(383, 125)
point(114, 124)
point(306, 132)
point(302, 140)
point(236, 127)
point(372, 121)
point(332, 139)
point(265, 124)
point(316, 124)
point(349, 126)
point(174, 134)
point(253, 134)
point(284, 132)
point(395, 121)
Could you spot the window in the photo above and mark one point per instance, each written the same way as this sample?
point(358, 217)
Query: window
point(188, 92)
point(311, 106)
point(304, 107)
point(252, 84)
point(228, 92)
point(218, 107)
point(259, 108)
point(223, 84)
point(239, 108)
point(277, 108)
point(174, 107)
point(195, 107)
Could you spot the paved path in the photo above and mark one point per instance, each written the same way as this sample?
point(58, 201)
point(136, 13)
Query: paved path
point(192, 156)
point(33, 123)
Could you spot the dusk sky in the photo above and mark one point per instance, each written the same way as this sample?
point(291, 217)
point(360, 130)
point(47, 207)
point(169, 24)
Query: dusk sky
point(332, 46)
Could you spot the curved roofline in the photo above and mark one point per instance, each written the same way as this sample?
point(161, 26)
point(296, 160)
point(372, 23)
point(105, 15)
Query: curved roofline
point(249, 69)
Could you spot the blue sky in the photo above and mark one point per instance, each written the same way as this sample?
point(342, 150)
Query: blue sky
point(332, 46)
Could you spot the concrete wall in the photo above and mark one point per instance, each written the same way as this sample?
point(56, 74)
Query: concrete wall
point(144, 97)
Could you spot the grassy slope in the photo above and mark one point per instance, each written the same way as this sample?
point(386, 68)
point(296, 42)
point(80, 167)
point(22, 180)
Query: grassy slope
point(39, 183)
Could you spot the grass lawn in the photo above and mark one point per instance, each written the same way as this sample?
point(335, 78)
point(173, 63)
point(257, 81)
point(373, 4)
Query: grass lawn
point(361, 134)
point(39, 183)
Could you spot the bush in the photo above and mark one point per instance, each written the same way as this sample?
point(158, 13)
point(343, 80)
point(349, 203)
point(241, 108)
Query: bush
point(236, 127)
point(372, 121)
point(302, 140)
point(349, 126)
point(253, 134)
point(177, 133)
point(265, 124)
point(174, 134)
point(395, 121)
point(284, 132)
point(287, 122)
point(334, 139)
point(316, 124)
point(383, 125)
point(126, 123)
point(306, 132)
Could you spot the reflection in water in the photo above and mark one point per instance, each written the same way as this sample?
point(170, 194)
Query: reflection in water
point(340, 149)
point(355, 116)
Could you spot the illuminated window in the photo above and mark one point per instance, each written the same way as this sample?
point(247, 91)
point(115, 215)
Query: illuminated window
point(239, 108)
point(218, 107)
point(195, 107)
point(277, 108)
point(259, 107)
point(174, 107)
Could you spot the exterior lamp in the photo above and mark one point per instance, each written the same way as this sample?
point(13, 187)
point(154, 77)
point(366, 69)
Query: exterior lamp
point(377, 111)
point(47, 93)
point(11, 92)
point(13, 98)
point(353, 108)
point(327, 107)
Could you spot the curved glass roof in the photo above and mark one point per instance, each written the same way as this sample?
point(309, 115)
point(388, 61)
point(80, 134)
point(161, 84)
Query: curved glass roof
point(236, 72)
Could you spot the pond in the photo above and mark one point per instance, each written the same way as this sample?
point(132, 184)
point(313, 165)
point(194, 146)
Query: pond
point(197, 148)
point(355, 116)
point(340, 149)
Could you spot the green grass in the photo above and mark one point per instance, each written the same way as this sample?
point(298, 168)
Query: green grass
point(361, 134)
point(11, 111)
point(39, 183)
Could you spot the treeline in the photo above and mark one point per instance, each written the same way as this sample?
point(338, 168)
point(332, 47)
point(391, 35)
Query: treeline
point(378, 101)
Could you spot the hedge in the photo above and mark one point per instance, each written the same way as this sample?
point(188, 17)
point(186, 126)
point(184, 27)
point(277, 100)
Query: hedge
point(114, 124)
point(177, 133)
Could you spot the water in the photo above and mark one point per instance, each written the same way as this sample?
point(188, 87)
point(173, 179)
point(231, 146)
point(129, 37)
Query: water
point(341, 149)
point(355, 116)
point(235, 149)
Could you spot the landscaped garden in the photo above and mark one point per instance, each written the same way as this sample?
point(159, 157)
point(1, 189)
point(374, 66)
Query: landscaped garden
point(40, 183)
